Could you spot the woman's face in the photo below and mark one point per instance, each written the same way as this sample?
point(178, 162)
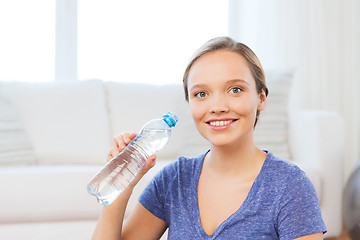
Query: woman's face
point(223, 98)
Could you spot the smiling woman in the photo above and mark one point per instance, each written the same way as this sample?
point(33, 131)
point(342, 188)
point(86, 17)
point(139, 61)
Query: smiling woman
point(234, 189)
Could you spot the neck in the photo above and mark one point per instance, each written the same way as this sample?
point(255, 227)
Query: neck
point(238, 159)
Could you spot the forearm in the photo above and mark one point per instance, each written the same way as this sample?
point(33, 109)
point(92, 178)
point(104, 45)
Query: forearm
point(111, 218)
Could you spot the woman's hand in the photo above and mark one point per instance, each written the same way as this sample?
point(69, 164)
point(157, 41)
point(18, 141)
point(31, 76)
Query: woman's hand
point(111, 219)
point(120, 142)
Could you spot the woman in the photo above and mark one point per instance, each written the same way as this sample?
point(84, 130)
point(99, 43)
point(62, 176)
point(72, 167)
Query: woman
point(234, 190)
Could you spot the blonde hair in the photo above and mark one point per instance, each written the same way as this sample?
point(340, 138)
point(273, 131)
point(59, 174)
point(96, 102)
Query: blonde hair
point(226, 43)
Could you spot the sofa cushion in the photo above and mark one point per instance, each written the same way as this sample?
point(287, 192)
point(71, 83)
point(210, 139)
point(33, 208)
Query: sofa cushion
point(131, 105)
point(47, 193)
point(56, 193)
point(272, 132)
point(67, 123)
point(15, 146)
point(69, 230)
point(60, 230)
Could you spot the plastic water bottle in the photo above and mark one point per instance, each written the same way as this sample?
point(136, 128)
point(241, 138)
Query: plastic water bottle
point(116, 175)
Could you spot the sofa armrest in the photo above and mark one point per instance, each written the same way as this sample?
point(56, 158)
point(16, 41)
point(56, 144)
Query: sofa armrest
point(316, 140)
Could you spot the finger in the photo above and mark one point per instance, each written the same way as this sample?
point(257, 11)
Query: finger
point(127, 137)
point(113, 152)
point(123, 140)
point(109, 157)
point(132, 136)
point(119, 142)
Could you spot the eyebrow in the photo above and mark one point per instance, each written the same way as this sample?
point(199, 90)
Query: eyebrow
point(237, 81)
point(229, 82)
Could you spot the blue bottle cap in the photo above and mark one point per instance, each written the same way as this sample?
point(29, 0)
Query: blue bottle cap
point(171, 119)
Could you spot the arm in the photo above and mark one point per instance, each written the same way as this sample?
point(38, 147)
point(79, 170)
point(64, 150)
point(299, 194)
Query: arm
point(142, 224)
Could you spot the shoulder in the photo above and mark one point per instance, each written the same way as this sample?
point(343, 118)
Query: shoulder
point(283, 169)
point(290, 182)
point(297, 203)
point(286, 179)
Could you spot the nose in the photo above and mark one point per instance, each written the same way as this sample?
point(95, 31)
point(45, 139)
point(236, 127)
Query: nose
point(218, 104)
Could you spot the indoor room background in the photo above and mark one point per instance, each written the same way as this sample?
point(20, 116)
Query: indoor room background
point(150, 42)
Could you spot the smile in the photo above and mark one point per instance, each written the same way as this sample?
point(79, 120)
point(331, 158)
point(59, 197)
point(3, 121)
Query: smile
point(220, 124)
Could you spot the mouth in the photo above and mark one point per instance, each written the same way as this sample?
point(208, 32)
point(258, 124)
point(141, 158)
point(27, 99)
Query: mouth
point(221, 123)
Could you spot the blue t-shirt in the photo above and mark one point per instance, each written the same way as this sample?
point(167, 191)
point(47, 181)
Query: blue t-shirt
point(281, 204)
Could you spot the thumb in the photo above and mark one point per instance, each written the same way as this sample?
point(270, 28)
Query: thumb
point(151, 161)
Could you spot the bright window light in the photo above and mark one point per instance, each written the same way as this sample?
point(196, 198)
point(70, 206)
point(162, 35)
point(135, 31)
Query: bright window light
point(27, 42)
point(142, 40)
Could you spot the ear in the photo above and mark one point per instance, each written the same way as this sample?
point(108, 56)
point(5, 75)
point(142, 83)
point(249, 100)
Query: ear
point(262, 100)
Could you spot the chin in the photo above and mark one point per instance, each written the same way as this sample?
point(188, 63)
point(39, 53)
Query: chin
point(220, 141)
point(227, 140)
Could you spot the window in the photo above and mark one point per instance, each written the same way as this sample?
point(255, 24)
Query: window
point(27, 43)
point(144, 41)
point(119, 40)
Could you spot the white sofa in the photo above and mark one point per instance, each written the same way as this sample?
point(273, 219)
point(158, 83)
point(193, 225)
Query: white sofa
point(54, 137)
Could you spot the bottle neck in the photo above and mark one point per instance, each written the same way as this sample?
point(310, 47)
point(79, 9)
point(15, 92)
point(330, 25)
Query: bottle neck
point(170, 122)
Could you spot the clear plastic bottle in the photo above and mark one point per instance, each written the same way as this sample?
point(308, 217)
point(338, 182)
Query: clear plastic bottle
point(116, 175)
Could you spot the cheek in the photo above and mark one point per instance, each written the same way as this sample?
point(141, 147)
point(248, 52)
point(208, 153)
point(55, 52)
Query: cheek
point(247, 109)
point(244, 107)
point(198, 112)
point(195, 110)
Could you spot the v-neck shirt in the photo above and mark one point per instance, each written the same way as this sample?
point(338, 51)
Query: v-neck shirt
point(281, 204)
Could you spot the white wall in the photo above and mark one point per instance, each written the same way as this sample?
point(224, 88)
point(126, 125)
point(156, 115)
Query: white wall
point(320, 40)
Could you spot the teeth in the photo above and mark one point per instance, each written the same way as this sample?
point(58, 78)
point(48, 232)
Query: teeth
point(219, 123)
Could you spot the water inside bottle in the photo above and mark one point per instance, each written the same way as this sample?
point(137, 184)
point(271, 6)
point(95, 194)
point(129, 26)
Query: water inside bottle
point(153, 139)
point(121, 170)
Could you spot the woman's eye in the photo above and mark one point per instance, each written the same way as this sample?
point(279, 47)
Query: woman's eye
point(200, 94)
point(236, 90)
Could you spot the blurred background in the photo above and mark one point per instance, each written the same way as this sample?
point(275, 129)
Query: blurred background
point(151, 41)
